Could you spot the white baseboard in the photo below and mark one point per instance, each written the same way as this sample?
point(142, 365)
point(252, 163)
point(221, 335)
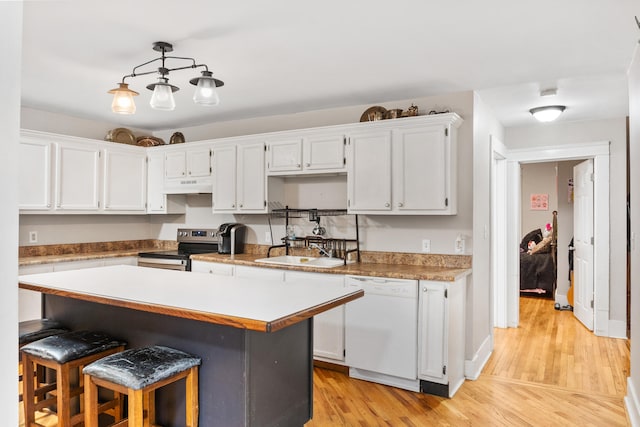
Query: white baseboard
point(473, 367)
point(631, 403)
point(561, 299)
point(617, 329)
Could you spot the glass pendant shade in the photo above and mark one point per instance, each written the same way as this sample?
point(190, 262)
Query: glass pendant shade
point(547, 114)
point(206, 93)
point(162, 98)
point(123, 99)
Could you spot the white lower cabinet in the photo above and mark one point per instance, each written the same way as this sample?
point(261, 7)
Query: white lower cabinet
point(328, 327)
point(215, 268)
point(441, 336)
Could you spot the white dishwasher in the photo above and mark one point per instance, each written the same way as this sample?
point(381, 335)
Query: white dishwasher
point(381, 332)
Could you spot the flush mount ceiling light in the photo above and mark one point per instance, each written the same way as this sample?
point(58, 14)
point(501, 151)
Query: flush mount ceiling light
point(162, 98)
point(548, 113)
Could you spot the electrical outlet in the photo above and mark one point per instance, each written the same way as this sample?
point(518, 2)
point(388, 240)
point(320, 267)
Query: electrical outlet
point(459, 245)
point(267, 237)
point(426, 245)
point(33, 237)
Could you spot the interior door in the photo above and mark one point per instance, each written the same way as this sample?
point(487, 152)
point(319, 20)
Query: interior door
point(583, 243)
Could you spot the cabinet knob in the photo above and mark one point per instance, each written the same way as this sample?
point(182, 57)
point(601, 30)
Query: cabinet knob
point(307, 164)
point(400, 204)
point(241, 204)
point(424, 289)
point(298, 165)
point(233, 205)
point(386, 205)
point(48, 205)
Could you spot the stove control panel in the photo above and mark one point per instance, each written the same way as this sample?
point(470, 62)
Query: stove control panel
point(198, 235)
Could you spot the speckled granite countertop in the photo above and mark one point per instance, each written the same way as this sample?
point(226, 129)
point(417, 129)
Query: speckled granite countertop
point(380, 264)
point(390, 270)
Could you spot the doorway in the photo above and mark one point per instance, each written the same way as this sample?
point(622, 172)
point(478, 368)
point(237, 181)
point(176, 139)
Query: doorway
point(599, 152)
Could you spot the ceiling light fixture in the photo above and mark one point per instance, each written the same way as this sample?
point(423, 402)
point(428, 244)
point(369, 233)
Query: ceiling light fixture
point(162, 98)
point(548, 113)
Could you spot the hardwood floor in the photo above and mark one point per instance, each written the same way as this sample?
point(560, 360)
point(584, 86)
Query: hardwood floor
point(550, 371)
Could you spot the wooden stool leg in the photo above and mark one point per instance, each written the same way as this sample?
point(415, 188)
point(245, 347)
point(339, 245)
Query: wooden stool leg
point(90, 402)
point(28, 370)
point(64, 391)
point(136, 412)
point(191, 401)
point(149, 399)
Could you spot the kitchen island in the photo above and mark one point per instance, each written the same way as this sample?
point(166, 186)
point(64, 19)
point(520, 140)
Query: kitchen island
point(254, 337)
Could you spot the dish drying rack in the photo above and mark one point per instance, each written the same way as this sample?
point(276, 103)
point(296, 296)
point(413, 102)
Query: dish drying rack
point(340, 248)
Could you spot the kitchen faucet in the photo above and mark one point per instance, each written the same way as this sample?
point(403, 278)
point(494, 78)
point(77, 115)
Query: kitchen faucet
point(322, 250)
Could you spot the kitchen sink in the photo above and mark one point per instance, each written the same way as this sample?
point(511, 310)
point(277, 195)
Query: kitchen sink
point(303, 261)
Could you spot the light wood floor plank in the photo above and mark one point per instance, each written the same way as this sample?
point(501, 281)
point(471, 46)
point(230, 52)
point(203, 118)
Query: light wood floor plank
point(550, 371)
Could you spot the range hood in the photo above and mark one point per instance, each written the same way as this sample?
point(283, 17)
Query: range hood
point(201, 185)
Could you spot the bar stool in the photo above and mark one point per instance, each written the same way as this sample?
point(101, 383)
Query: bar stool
point(138, 373)
point(67, 354)
point(33, 330)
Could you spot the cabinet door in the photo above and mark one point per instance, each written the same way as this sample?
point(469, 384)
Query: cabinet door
point(175, 164)
point(199, 162)
point(30, 302)
point(217, 269)
point(324, 153)
point(34, 178)
point(224, 178)
point(156, 199)
point(77, 176)
point(369, 174)
point(251, 178)
point(328, 327)
point(125, 180)
point(420, 169)
point(284, 155)
point(432, 332)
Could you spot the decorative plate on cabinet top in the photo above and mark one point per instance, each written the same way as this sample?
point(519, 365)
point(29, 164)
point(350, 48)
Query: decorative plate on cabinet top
point(149, 141)
point(176, 138)
point(373, 113)
point(121, 135)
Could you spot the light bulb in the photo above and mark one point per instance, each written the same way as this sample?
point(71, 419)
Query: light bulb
point(162, 98)
point(123, 99)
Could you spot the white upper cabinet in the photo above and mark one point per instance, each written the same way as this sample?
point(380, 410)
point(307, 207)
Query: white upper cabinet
point(157, 201)
point(369, 175)
point(124, 178)
point(188, 169)
point(239, 183)
point(35, 179)
point(405, 166)
point(63, 174)
point(306, 153)
point(77, 176)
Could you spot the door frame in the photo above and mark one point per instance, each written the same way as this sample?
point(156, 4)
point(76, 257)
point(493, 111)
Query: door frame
point(499, 216)
point(599, 152)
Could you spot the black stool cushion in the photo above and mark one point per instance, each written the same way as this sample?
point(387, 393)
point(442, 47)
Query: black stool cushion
point(32, 330)
point(71, 345)
point(137, 368)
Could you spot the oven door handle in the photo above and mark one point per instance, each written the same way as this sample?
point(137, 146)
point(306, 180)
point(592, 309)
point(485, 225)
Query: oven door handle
point(144, 261)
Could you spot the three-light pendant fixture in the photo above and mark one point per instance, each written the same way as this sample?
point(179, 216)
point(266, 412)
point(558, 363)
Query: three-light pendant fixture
point(162, 98)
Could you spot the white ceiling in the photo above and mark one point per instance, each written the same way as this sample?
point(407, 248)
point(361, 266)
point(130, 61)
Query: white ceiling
point(286, 56)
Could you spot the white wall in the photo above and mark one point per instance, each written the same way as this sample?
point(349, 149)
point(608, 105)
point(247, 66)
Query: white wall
point(479, 291)
point(10, 44)
point(632, 399)
point(538, 178)
point(613, 130)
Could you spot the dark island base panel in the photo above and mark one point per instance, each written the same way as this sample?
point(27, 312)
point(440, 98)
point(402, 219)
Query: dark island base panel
point(247, 378)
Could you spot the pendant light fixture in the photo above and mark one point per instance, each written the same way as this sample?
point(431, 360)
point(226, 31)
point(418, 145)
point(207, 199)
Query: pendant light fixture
point(162, 98)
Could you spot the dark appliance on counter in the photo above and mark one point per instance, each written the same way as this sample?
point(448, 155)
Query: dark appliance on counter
point(231, 238)
point(190, 241)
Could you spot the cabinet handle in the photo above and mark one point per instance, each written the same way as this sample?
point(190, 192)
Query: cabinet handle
point(308, 164)
point(48, 205)
point(424, 289)
point(400, 204)
point(386, 205)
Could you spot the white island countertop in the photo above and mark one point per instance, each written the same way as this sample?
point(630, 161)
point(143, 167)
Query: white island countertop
point(254, 304)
